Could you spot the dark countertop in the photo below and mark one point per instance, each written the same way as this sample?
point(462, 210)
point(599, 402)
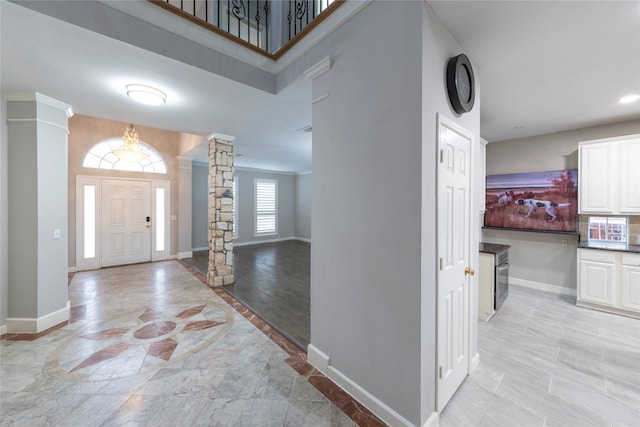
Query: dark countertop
point(493, 248)
point(609, 247)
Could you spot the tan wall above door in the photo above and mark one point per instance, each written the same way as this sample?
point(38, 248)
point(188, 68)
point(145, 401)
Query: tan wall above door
point(85, 131)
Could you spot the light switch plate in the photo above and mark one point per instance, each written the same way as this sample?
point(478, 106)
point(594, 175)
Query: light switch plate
point(56, 233)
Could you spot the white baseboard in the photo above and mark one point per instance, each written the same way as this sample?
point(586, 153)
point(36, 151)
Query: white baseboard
point(433, 420)
point(318, 359)
point(182, 255)
point(608, 309)
point(554, 289)
point(199, 249)
point(17, 325)
point(72, 270)
point(3, 329)
point(174, 256)
point(475, 361)
point(257, 242)
point(382, 411)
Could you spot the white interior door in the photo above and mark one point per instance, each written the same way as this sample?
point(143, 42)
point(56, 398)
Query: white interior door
point(126, 215)
point(454, 201)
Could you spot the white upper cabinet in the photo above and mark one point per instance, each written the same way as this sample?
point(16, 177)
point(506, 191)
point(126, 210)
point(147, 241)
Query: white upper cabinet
point(629, 176)
point(609, 176)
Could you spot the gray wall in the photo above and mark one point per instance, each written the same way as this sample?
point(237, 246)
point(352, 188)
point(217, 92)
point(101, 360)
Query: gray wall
point(4, 214)
point(365, 263)
point(373, 211)
point(246, 205)
point(540, 257)
point(199, 211)
point(303, 205)
point(294, 205)
point(52, 210)
point(37, 204)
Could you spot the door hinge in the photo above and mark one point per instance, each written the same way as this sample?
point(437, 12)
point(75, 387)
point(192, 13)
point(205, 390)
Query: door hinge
point(440, 372)
point(440, 263)
point(441, 156)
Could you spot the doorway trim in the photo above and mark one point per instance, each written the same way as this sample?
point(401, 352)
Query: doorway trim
point(472, 258)
point(94, 261)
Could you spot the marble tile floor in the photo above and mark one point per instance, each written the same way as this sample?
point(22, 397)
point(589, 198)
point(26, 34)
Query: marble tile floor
point(546, 362)
point(150, 344)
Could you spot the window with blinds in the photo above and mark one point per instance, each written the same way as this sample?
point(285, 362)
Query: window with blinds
point(266, 206)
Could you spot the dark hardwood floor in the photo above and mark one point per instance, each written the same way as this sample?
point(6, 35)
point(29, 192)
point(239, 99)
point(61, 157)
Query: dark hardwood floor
point(273, 281)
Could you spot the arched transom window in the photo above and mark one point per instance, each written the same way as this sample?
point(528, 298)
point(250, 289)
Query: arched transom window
point(101, 157)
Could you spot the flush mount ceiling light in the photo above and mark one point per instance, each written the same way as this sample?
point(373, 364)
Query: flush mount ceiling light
point(629, 99)
point(131, 151)
point(146, 94)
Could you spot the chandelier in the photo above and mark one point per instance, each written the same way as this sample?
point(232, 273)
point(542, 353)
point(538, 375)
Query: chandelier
point(131, 151)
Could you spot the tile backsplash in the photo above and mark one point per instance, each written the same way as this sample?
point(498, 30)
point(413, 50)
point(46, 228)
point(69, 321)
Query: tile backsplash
point(634, 227)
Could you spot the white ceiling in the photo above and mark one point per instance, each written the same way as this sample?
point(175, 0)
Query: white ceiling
point(543, 66)
point(549, 66)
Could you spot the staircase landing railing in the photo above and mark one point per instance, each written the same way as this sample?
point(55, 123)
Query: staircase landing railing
point(269, 27)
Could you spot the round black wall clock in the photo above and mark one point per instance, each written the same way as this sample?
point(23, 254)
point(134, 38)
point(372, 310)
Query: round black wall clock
point(460, 84)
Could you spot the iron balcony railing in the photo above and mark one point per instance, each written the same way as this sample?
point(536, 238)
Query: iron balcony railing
point(269, 27)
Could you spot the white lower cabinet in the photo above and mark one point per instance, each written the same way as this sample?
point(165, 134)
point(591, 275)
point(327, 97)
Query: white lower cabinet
point(609, 280)
point(486, 286)
point(630, 286)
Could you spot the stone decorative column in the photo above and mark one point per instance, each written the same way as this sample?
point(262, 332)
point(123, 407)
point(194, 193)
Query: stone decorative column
point(221, 196)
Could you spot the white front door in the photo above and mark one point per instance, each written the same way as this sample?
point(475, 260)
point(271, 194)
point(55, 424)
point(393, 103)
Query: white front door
point(126, 222)
point(454, 202)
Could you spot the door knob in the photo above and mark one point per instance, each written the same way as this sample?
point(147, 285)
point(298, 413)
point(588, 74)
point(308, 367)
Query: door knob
point(470, 271)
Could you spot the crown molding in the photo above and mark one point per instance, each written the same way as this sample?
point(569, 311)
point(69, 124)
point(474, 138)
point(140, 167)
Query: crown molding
point(319, 69)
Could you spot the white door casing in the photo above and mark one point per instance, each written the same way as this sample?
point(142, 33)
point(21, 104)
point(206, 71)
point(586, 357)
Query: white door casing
point(454, 276)
point(126, 233)
point(90, 229)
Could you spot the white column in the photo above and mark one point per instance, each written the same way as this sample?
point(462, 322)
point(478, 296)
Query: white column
point(37, 213)
point(184, 207)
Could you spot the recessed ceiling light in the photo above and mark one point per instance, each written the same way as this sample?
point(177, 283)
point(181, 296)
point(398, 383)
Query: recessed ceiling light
point(146, 94)
point(629, 99)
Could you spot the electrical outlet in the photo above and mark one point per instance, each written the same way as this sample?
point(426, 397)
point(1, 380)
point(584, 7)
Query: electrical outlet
point(564, 243)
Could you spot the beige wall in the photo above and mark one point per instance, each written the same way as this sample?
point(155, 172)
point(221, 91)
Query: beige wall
point(86, 131)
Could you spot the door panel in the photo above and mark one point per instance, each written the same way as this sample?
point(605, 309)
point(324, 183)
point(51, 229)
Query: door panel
point(597, 281)
point(454, 181)
point(126, 237)
point(117, 245)
point(630, 292)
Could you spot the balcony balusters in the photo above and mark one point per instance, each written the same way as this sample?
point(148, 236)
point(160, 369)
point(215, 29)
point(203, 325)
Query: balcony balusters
point(260, 23)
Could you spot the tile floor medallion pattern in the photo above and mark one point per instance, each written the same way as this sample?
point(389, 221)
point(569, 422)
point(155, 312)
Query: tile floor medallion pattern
point(137, 343)
point(151, 344)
